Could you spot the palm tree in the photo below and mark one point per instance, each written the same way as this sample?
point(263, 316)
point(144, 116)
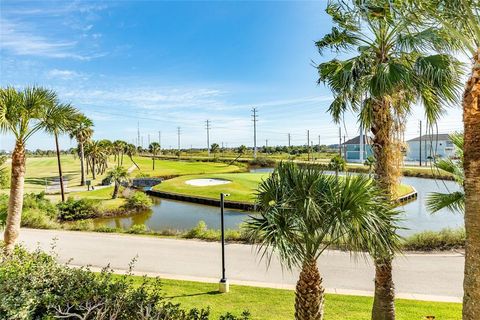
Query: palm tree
point(131, 150)
point(390, 70)
point(214, 148)
point(154, 148)
point(82, 132)
point(21, 114)
point(117, 175)
point(58, 119)
point(95, 155)
point(303, 211)
point(459, 24)
point(454, 201)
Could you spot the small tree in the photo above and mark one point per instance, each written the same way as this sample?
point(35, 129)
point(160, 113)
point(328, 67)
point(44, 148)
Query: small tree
point(214, 148)
point(303, 212)
point(117, 175)
point(242, 149)
point(154, 149)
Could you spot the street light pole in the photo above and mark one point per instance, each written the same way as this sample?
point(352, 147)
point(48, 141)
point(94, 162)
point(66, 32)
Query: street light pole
point(223, 284)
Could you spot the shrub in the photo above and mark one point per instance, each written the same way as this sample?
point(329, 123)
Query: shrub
point(106, 181)
point(38, 211)
point(263, 162)
point(337, 163)
point(76, 209)
point(138, 201)
point(35, 286)
point(138, 229)
point(80, 225)
point(445, 239)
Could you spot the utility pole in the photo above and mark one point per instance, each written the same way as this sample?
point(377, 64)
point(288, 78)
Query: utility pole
point(255, 116)
point(208, 137)
point(160, 141)
point(308, 144)
point(178, 133)
point(138, 133)
point(420, 150)
point(289, 140)
point(266, 144)
point(142, 142)
point(344, 149)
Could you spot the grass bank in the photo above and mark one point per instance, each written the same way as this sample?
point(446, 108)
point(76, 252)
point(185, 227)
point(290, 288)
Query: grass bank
point(278, 304)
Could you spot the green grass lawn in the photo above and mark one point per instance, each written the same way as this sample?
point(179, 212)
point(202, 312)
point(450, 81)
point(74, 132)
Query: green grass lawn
point(242, 187)
point(104, 196)
point(278, 304)
point(174, 168)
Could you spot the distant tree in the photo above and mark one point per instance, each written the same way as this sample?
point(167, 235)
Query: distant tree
point(118, 175)
point(131, 151)
point(59, 118)
point(82, 132)
point(214, 148)
point(242, 149)
point(154, 149)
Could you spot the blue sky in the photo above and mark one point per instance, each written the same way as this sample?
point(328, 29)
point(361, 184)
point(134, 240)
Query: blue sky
point(176, 64)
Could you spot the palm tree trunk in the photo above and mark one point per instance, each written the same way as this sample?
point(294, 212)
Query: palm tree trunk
point(384, 299)
point(471, 119)
point(93, 168)
point(115, 190)
point(15, 201)
point(386, 176)
point(309, 293)
point(82, 164)
point(60, 174)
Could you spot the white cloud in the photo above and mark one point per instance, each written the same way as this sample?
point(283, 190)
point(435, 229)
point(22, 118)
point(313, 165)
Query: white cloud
point(63, 74)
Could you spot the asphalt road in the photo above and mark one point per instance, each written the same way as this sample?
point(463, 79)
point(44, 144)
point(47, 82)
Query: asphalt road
point(436, 277)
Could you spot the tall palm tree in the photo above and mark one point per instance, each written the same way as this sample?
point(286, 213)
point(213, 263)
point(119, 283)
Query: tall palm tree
point(82, 131)
point(454, 201)
point(118, 175)
point(390, 70)
point(59, 118)
point(154, 148)
point(303, 211)
point(95, 154)
point(21, 114)
point(459, 21)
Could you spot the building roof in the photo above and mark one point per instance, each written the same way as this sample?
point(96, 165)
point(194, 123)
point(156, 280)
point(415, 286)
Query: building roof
point(432, 137)
point(356, 140)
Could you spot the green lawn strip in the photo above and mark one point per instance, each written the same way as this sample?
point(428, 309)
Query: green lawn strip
point(102, 196)
point(174, 167)
point(277, 304)
point(242, 188)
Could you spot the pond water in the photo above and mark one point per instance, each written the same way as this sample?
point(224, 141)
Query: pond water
point(177, 215)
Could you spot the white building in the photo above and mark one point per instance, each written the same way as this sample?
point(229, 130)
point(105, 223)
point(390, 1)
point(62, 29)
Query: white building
point(429, 147)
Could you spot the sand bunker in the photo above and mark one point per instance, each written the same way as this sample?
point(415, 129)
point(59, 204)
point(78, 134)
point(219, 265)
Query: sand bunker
point(206, 182)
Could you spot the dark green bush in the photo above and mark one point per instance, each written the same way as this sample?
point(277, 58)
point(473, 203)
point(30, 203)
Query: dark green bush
point(337, 163)
point(138, 201)
point(76, 209)
point(35, 286)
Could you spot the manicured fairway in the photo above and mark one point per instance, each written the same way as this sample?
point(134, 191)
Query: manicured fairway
point(242, 187)
point(277, 304)
point(174, 168)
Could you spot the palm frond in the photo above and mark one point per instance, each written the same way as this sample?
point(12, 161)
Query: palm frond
point(454, 201)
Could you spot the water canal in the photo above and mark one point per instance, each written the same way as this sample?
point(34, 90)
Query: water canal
point(177, 215)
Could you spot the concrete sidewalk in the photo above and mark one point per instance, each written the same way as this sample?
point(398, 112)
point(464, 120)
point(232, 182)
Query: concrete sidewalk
point(432, 277)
